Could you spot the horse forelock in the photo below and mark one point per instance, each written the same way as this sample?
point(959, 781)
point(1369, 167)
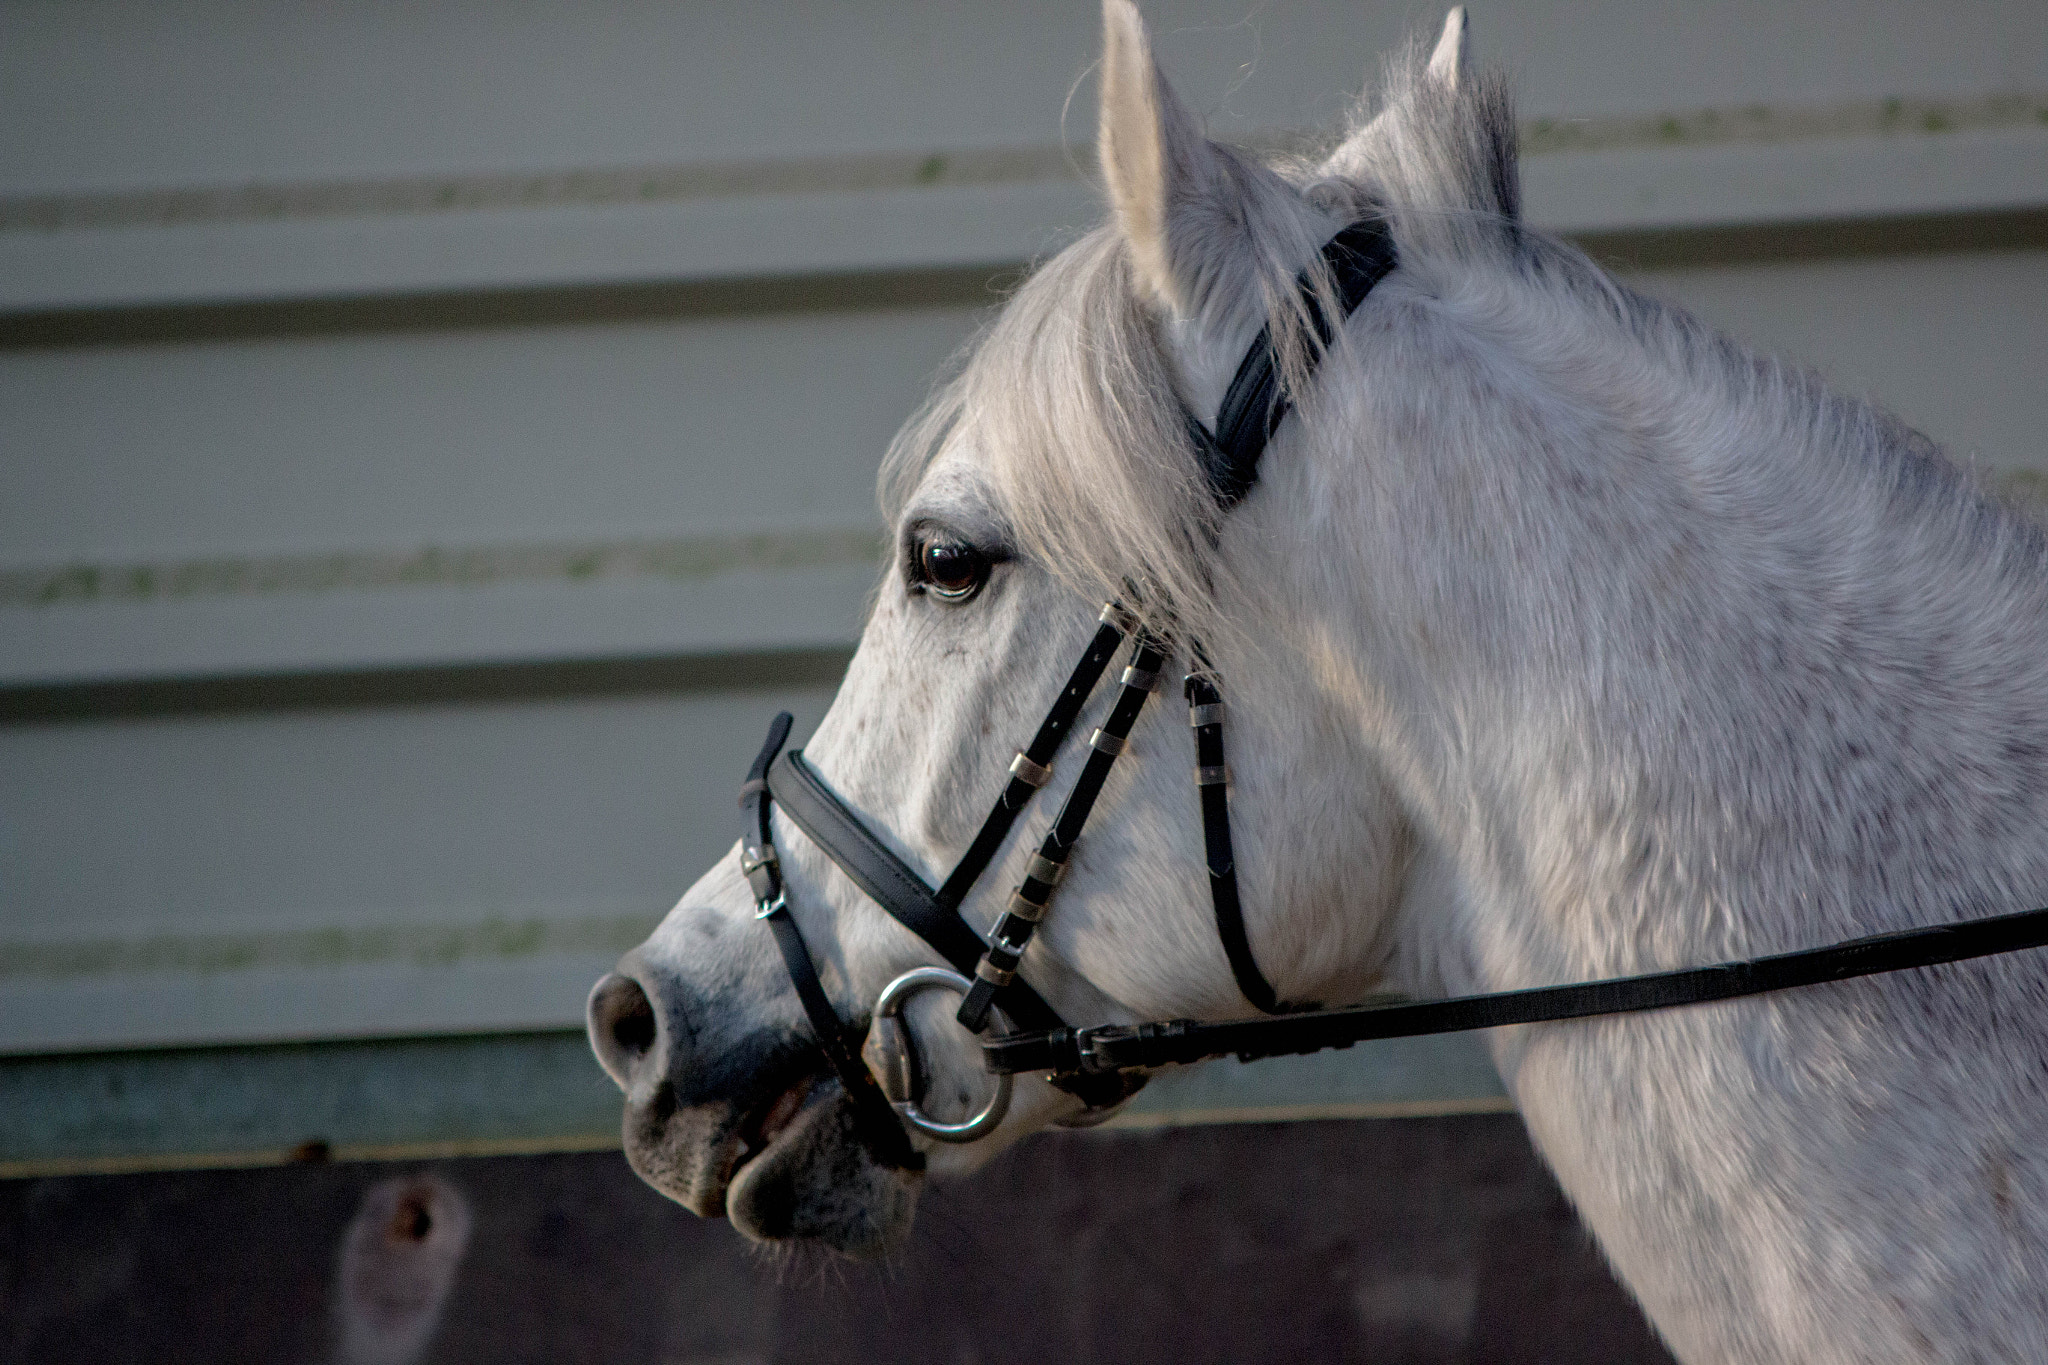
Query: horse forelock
point(1067, 410)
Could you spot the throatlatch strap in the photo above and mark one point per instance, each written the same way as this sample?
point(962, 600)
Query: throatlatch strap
point(1185, 1040)
point(1035, 769)
point(874, 1117)
point(1212, 780)
point(997, 969)
point(1253, 406)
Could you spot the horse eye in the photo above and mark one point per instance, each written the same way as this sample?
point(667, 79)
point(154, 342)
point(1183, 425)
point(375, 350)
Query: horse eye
point(951, 570)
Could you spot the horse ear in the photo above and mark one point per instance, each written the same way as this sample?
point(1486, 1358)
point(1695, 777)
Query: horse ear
point(1154, 157)
point(1449, 68)
point(1451, 63)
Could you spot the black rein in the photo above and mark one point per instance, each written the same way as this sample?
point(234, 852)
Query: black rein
point(1116, 1046)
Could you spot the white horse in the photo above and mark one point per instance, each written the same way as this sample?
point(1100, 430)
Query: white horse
point(1563, 639)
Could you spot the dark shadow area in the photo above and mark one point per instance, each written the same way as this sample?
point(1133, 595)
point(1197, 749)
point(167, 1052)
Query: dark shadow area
point(969, 286)
point(977, 286)
point(1913, 234)
point(96, 701)
point(1411, 1240)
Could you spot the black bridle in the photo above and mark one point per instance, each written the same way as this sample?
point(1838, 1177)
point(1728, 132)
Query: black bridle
point(1104, 1065)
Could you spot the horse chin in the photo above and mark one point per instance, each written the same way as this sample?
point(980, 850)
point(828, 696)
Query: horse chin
point(817, 1182)
point(687, 1154)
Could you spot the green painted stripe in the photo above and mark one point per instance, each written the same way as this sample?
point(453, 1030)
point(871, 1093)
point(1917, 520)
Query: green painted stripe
point(248, 1105)
point(488, 683)
point(682, 557)
point(1893, 116)
point(943, 168)
point(535, 1092)
point(493, 940)
point(652, 184)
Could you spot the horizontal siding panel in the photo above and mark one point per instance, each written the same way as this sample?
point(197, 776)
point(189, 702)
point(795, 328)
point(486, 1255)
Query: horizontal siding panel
point(992, 226)
point(748, 610)
point(699, 240)
point(353, 871)
point(145, 518)
point(411, 442)
point(398, 1100)
point(271, 1005)
point(124, 94)
point(1729, 184)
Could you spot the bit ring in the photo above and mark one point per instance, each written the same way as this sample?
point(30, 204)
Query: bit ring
point(891, 1055)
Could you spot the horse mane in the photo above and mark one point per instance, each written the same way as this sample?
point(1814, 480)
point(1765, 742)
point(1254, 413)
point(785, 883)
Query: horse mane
point(1068, 404)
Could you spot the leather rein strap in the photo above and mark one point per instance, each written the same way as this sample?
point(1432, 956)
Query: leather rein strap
point(1146, 1046)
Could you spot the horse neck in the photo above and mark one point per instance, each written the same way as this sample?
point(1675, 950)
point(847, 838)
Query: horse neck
point(1657, 642)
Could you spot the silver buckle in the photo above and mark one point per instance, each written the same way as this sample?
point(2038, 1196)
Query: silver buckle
point(767, 908)
point(1084, 1045)
point(1022, 768)
point(1118, 615)
point(1044, 869)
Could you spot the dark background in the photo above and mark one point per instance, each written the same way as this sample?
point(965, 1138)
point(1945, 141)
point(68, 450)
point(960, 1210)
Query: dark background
point(1403, 1240)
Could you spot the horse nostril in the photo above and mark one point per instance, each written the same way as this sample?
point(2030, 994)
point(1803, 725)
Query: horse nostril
point(634, 1029)
point(622, 1026)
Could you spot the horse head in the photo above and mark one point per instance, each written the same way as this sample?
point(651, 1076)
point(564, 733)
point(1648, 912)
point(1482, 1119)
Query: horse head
point(1563, 639)
point(1056, 471)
